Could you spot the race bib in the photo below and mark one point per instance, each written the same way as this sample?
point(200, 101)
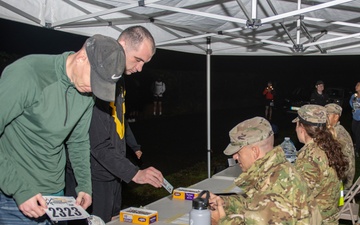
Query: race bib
point(61, 208)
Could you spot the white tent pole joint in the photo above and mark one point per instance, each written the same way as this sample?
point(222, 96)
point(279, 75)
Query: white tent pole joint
point(253, 23)
point(141, 2)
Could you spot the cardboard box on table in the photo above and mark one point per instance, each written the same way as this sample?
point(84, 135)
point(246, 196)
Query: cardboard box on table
point(138, 216)
point(185, 193)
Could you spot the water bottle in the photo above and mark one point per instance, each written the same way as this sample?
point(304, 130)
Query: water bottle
point(289, 149)
point(200, 214)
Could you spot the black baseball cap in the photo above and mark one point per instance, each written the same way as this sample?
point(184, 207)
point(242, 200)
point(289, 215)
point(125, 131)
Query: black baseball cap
point(319, 82)
point(107, 61)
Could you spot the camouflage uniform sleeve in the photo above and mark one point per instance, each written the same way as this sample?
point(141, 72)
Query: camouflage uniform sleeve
point(348, 149)
point(276, 194)
point(322, 180)
point(262, 209)
point(308, 167)
point(233, 204)
point(231, 221)
point(234, 210)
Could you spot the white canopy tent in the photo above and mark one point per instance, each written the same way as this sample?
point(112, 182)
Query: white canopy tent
point(236, 27)
point(209, 27)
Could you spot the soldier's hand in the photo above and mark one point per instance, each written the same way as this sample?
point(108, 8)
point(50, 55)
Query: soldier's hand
point(217, 210)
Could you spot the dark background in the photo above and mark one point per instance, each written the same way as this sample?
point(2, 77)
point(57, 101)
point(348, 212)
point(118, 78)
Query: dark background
point(236, 81)
point(23, 39)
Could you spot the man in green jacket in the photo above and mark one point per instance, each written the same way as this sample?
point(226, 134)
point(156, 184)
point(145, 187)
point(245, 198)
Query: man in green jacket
point(275, 191)
point(46, 105)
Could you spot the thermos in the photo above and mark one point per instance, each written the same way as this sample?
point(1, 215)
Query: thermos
point(200, 214)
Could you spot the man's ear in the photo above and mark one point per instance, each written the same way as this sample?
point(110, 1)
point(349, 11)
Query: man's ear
point(255, 152)
point(337, 117)
point(81, 56)
point(122, 43)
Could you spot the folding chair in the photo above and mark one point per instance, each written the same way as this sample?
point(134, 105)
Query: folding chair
point(350, 209)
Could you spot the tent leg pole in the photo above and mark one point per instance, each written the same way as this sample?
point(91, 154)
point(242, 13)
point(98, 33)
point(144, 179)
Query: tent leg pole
point(208, 55)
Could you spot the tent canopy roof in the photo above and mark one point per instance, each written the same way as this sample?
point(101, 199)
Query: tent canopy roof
point(219, 27)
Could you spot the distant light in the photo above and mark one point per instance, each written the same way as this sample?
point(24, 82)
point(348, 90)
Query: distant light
point(294, 108)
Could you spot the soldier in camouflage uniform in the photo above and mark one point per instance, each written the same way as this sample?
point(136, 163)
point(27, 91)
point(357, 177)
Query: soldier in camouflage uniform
point(275, 191)
point(320, 160)
point(340, 133)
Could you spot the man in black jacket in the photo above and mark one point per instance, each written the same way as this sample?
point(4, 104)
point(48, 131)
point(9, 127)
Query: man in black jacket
point(319, 97)
point(109, 132)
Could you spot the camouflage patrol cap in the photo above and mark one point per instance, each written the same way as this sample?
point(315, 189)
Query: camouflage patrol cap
point(248, 132)
point(333, 108)
point(314, 115)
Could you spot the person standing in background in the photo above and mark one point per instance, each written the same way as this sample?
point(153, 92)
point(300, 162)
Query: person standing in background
point(319, 97)
point(269, 94)
point(158, 89)
point(355, 125)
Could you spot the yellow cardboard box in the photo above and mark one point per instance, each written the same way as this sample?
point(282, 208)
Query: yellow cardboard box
point(186, 193)
point(138, 216)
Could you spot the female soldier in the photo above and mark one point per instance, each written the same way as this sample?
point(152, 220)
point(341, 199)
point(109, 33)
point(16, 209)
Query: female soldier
point(320, 160)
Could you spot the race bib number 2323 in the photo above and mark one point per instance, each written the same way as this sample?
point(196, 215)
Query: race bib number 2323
point(61, 208)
